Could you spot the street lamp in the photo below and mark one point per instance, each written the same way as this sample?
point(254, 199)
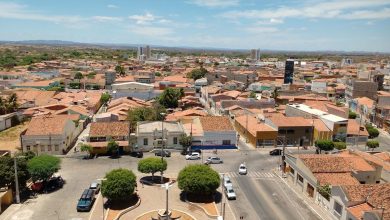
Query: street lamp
point(17, 194)
point(166, 186)
point(162, 143)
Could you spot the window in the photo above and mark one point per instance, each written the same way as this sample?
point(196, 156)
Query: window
point(42, 148)
point(56, 148)
point(338, 208)
point(28, 148)
point(175, 140)
point(300, 178)
point(145, 141)
point(292, 171)
point(282, 131)
point(362, 182)
point(290, 131)
point(48, 147)
point(226, 142)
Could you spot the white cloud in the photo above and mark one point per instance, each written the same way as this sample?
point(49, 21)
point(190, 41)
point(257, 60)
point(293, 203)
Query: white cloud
point(143, 19)
point(106, 18)
point(151, 31)
point(215, 3)
point(112, 6)
point(261, 30)
point(271, 21)
point(343, 9)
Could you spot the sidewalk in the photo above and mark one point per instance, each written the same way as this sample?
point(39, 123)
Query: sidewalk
point(310, 203)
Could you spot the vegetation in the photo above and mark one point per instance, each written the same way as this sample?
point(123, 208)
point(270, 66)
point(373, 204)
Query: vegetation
point(113, 148)
point(43, 167)
point(372, 144)
point(135, 115)
point(170, 97)
point(119, 185)
point(275, 94)
point(120, 70)
point(252, 95)
point(197, 73)
point(324, 145)
point(352, 115)
point(7, 172)
point(340, 145)
point(9, 104)
point(78, 75)
point(75, 85)
point(372, 132)
point(185, 141)
point(86, 148)
point(152, 165)
point(198, 179)
point(325, 191)
point(105, 98)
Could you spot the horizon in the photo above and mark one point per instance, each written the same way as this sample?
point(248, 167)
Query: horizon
point(309, 25)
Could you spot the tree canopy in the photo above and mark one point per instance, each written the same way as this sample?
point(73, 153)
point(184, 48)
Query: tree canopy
point(86, 148)
point(42, 167)
point(185, 141)
point(152, 165)
point(340, 145)
point(113, 147)
point(170, 97)
point(135, 115)
point(105, 98)
point(198, 179)
point(119, 184)
point(372, 144)
point(252, 95)
point(78, 75)
point(197, 73)
point(120, 70)
point(324, 145)
point(9, 104)
point(352, 115)
point(372, 132)
point(7, 173)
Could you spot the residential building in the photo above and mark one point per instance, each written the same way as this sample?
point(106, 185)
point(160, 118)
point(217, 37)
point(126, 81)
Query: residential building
point(150, 134)
point(289, 72)
point(148, 52)
point(137, 90)
point(6, 120)
point(255, 54)
point(356, 133)
point(357, 88)
point(51, 134)
point(101, 133)
point(319, 86)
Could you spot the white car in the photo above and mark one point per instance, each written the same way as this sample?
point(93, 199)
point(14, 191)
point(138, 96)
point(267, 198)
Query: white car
point(227, 182)
point(229, 192)
point(213, 160)
point(193, 156)
point(242, 169)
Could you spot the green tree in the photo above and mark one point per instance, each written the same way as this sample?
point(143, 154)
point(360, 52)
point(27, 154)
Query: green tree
point(372, 132)
point(275, 93)
point(78, 75)
point(372, 144)
point(113, 148)
point(197, 73)
point(119, 185)
point(352, 115)
point(185, 141)
point(120, 70)
point(198, 179)
point(105, 98)
point(42, 167)
point(324, 145)
point(252, 95)
point(325, 191)
point(3, 107)
point(152, 165)
point(12, 103)
point(340, 145)
point(170, 97)
point(7, 173)
point(135, 115)
point(86, 148)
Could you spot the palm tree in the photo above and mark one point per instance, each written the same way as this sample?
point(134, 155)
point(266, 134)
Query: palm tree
point(275, 94)
point(2, 106)
point(12, 103)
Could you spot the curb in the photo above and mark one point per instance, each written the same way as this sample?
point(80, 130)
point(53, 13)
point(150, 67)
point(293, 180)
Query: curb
point(204, 210)
point(128, 209)
point(170, 209)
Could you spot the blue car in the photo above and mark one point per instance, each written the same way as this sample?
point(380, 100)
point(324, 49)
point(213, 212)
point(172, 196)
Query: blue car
point(86, 200)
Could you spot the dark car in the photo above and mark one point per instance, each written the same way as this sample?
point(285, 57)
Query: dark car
point(276, 152)
point(137, 154)
point(163, 153)
point(86, 200)
point(54, 183)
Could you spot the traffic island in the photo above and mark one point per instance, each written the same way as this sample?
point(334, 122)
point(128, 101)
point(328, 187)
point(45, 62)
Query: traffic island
point(174, 215)
point(119, 208)
point(154, 181)
point(206, 203)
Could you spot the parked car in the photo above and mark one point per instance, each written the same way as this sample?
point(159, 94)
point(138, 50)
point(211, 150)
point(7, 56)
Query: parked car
point(185, 152)
point(86, 200)
point(95, 186)
point(213, 160)
point(229, 192)
point(242, 169)
point(55, 182)
point(137, 154)
point(193, 156)
point(276, 152)
point(227, 182)
point(163, 153)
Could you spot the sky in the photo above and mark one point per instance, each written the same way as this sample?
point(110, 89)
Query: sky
point(305, 25)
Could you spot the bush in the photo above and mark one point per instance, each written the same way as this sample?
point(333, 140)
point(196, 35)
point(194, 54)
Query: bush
point(340, 145)
point(198, 179)
point(372, 144)
point(119, 184)
point(352, 115)
point(325, 191)
point(105, 98)
point(43, 167)
point(113, 148)
point(152, 165)
point(373, 132)
point(325, 145)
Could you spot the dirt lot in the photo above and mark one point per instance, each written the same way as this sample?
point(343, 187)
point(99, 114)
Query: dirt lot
point(9, 139)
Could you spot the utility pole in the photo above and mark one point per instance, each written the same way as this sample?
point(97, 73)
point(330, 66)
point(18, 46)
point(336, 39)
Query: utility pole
point(223, 190)
point(357, 140)
point(162, 144)
point(16, 182)
point(223, 213)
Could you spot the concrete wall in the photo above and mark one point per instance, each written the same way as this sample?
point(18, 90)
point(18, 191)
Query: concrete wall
point(217, 138)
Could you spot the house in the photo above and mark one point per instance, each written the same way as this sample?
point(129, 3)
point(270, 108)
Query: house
point(6, 120)
point(321, 131)
point(51, 134)
point(137, 90)
point(149, 135)
point(101, 133)
point(256, 132)
point(121, 106)
point(359, 88)
point(175, 116)
point(210, 132)
point(356, 202)
point(356, 133)
point(363, 106)
point(308, 172)
point(45, 84)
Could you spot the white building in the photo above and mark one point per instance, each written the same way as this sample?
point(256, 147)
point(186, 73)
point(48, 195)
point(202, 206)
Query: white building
point(318, 86)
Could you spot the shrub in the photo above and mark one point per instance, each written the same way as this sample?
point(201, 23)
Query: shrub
point(340, 145)
point(372, 144)
point(119, 184)
point(198, 179)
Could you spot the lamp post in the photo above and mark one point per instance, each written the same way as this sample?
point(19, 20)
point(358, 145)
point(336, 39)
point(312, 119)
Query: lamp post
point(17, 194)
point(162, 143)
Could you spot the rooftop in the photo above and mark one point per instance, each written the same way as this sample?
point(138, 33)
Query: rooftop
point(104, 129)
point(49, 124)
point(216, 123)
